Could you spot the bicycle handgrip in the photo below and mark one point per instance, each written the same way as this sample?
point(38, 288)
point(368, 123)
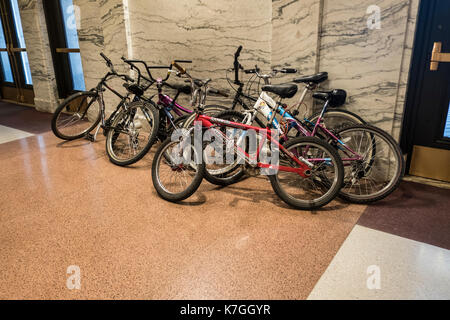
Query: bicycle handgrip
point(183, 61)
point(180, 68)
point(289, 70)
point(238, 52)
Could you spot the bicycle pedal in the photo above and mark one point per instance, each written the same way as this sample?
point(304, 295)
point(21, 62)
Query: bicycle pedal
point(90, 137)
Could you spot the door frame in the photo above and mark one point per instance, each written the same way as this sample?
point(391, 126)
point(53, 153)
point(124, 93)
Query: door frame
point(58, 47)
point(24, 91)
point(420, 53)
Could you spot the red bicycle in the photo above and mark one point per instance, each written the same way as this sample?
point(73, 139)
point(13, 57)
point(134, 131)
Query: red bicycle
point(305, 172)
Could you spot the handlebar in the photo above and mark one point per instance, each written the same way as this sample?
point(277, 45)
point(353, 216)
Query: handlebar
point(237, 65)
point(285, 70)
point(180, 68)
point(113, 71)
point(108, 61)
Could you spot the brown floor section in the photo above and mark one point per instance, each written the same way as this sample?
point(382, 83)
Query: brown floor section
point(24, 118)
point(415, 211)
point(65, 204)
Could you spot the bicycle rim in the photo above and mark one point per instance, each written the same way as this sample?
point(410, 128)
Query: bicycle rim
point(78, 116)
point(176, 168)
point(378, 172)
point(131, 133)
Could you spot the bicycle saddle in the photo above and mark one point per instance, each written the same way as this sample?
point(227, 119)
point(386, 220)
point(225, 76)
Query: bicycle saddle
point(182, 88)
point(134, 88)
point(201, 82)
point(335, 97)
point(315, 78)
point(286, 90)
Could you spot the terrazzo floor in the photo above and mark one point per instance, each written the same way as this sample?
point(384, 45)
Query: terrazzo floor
point(63, 204)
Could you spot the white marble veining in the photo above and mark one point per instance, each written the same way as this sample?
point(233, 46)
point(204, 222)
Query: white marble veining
point(367, 63)
point(295, 33)
point(206, 32)
point(39, 55)
point(311, 35)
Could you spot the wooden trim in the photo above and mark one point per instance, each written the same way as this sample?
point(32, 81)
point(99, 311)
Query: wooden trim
point(67, 50)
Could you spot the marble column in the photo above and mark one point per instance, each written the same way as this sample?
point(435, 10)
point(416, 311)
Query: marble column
point(366, 62)
point(39, 54)
point(102, 29)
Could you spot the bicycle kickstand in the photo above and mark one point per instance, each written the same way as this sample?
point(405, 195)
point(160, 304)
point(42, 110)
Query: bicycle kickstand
point(93, 137)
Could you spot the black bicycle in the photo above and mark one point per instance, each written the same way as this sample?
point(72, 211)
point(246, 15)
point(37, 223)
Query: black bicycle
point(334, 118)
point(134, 116)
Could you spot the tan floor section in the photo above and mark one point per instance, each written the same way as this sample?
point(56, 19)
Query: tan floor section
point(65, 204)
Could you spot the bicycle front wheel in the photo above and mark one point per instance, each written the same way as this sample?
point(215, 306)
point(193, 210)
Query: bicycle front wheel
point(177, 170)
point(132, 133)
point(380, 168)
point(76, 116)
point(323, 183)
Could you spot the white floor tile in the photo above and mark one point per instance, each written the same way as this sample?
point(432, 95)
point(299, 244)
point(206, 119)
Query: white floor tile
point(407, 269)
point(9, 134)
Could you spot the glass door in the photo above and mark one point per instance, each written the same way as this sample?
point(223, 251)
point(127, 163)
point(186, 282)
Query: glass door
point(16, 81)
point(63, 35)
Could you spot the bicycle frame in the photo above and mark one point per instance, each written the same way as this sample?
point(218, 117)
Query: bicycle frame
point(265, 99)
point(211, 122)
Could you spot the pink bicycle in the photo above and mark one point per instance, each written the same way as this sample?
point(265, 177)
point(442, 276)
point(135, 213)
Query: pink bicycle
point(307, 174)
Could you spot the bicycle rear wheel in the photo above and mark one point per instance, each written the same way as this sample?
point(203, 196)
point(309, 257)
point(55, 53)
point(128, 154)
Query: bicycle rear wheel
point(132, 133)
point(76, 116)
point(225, 173)
point(177, 170)
point(324, 182)
point(380, 170)
point(338, 118)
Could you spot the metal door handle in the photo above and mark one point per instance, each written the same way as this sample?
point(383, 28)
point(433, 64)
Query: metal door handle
point(438, 56)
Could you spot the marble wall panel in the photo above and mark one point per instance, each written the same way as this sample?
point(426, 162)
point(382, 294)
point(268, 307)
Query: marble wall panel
point(207, 32)
point(367, 63)
point(311, 35)
point(295, 34)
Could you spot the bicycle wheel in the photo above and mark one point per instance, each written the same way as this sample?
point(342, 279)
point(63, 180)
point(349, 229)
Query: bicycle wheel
point(132, 133)
point(324, 181)
point(338, 118)
point(76, 116)
point(210, 110)
point(225, 173)
point(178, 122)
point(380, 170)
point(177, 170)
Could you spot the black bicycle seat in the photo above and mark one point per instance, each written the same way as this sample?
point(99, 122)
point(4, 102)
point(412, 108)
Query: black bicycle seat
point(315, 78)
point(134, 88)
point(286, 90)
point(201, 82)
point(335, 97)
